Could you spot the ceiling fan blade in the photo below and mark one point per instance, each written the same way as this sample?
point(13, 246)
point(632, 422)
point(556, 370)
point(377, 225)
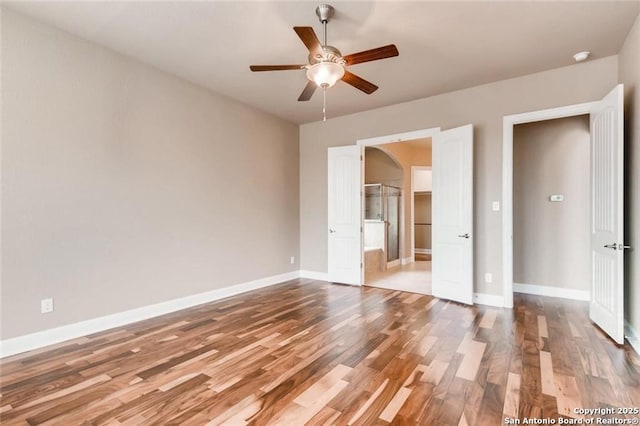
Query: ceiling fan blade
point(308, 90)
point(372, 54)
point(359, 83)
point(310, 39)
point(275, 67)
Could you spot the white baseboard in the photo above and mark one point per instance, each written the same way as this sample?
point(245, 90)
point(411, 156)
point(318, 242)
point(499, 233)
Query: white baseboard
point(394, 263)
point(422, 251)
point(313, 275)
point(43, 338)
point(543, 290)
point(488, 299)
point(632, 337)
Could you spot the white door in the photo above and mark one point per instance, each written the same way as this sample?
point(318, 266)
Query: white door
point(452, 217)
point(606, 308)
point(345, 214)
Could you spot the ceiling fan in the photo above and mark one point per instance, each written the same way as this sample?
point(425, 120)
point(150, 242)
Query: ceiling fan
point(326, 64)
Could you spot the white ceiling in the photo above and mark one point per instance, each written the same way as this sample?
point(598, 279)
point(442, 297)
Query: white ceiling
point(444, 46)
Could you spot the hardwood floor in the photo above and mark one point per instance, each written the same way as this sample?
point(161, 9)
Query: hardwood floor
point(309, 352)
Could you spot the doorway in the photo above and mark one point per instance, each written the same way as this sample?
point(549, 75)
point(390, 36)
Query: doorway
point(551, 208)
point(390, 166)
point(606, 186)
point(509, 123)
point(453, 237)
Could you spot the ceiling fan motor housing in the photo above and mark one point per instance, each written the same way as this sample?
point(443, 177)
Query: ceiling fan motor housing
point(329, 54)
point(325, 12)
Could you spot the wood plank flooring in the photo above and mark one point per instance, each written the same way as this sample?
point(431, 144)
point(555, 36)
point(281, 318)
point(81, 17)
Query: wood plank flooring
point(309, 352)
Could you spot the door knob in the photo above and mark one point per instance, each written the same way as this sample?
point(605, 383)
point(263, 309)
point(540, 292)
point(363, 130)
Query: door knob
point(613, 246)
point(463, 236)
point(331, 231)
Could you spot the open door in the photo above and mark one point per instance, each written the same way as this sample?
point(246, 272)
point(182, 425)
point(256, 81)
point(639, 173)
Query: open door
point(452, 217)
point(345, 214)
point(606, 307)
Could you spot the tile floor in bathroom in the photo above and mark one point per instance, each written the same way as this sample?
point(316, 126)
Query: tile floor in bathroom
point(414, 277)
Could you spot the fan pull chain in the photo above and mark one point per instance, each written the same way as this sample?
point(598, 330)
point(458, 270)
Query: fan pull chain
point(324, 103)
point(324, 87)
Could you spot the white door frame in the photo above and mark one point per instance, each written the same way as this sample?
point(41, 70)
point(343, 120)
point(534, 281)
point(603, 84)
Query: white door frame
point(400, 137)
point(509, 121)
point(413, 208)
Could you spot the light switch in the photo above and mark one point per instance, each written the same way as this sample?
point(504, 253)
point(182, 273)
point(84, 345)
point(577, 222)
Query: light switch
point(495, 206)
point(556, 198)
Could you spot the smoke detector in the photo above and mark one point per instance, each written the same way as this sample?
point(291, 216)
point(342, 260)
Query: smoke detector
point(581, 56)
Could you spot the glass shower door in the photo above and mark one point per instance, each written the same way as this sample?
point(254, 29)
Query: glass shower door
point(392, 217)
point(373, 206)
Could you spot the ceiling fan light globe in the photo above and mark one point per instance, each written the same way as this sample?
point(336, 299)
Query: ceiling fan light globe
point(325, 74)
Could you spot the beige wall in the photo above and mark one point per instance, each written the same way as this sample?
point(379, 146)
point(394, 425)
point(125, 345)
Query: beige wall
point(380, 168)
point(629, 75)
point(551, 239)
point(483, 106)
point(124, 186)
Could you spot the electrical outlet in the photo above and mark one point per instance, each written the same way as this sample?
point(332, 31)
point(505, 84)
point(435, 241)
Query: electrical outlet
point(488, 277)
point(46, 305)
point(293, 260)
point(495, 206)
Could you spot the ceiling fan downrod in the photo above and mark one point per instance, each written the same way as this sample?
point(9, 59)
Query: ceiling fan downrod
point(324, 13)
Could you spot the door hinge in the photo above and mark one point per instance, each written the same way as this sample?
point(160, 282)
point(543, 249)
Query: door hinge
point(361, 158)
point(361, 265)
